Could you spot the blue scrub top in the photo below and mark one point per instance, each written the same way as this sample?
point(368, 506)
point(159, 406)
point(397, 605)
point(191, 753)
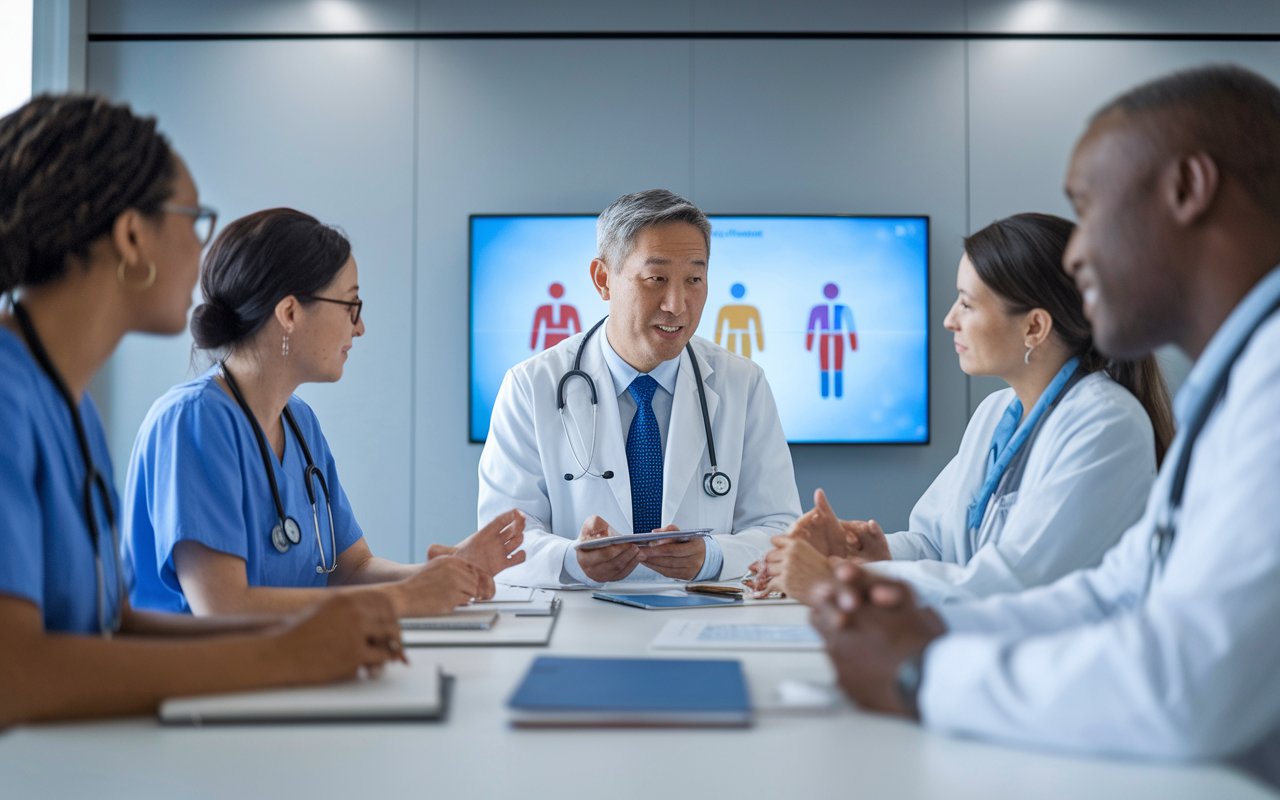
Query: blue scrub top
point(196, 473)
point(46, 555)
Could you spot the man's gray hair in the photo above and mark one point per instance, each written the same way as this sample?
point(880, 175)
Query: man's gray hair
point(620, 223)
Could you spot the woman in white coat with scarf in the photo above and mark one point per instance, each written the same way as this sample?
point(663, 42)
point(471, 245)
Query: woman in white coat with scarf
point(1050, 471)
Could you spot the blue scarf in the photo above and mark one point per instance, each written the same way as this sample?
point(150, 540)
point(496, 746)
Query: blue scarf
point(1010, 436)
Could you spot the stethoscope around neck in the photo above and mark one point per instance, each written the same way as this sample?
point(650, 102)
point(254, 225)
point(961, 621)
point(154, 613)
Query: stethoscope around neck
point(286, 532)
point(714, 483)
point(93, 478)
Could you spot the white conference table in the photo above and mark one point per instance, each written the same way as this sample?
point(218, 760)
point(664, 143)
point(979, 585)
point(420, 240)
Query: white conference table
point(475, 754)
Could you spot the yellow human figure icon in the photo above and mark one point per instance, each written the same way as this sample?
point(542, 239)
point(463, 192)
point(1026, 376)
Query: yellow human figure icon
point(739, 320)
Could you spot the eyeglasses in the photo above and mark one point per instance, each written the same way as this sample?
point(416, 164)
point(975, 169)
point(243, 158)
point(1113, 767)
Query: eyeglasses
point(354, 306)
point(203, 219)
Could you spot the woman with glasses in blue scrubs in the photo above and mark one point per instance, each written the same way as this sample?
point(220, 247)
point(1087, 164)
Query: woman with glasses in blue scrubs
point(96, 240)
point(233, 502)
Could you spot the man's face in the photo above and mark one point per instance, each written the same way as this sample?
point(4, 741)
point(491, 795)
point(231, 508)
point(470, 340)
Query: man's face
point(1123, 254)
point(656, 295)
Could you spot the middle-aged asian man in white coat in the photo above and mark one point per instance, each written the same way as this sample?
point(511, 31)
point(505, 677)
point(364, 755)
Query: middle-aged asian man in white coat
point(639, 460)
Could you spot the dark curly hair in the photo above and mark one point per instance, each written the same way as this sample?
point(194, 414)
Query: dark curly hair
point(70, 165)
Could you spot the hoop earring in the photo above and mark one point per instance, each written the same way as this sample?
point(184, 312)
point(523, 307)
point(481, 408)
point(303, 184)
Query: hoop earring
point(136, 287)
point(284, 346)
point(1027, 358)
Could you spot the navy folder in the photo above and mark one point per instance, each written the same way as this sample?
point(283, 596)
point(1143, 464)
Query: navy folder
point(648, 692)
point(659, 602)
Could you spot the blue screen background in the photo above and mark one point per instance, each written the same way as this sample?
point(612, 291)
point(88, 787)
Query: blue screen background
point(781, 264)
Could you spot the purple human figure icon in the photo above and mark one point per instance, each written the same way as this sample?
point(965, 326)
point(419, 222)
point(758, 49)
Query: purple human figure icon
point(557, 320)
point(827, 321)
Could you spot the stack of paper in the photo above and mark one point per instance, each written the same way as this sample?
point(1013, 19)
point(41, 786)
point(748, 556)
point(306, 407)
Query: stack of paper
point(702, 635)
point(531, 602)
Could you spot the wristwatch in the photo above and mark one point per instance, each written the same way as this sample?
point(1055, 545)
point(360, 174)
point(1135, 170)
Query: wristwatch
point(910, 673)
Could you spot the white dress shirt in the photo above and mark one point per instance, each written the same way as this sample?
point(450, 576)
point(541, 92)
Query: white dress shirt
point(1087, 477)
point(1186, 667)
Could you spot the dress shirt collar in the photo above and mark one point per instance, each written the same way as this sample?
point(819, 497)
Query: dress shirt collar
point(1256, 304)
point(623, 373)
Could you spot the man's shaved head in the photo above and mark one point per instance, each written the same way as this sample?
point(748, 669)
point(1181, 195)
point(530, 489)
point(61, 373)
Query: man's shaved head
point(1226, 111)
point(1176, 185)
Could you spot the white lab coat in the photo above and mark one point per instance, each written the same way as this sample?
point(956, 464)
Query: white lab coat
point(1087, 477)
point(527, 455)
point(1190, 669)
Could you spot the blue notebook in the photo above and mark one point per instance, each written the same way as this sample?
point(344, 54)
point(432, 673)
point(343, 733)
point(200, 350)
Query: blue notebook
point(627, 692)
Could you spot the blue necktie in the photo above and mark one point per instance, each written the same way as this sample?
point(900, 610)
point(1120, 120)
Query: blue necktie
point(644, 458)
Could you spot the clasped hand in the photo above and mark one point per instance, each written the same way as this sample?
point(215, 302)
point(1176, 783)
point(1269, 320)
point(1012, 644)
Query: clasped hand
point(871, 624)
point(679, 560)
point(809, 550)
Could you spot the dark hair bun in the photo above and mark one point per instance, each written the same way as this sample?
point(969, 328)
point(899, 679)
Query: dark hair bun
point(215, 326)
point(257, 261)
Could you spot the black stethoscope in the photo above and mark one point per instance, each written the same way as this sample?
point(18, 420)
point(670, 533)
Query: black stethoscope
point(286, 532)
point(714, 483)
point(92, 478)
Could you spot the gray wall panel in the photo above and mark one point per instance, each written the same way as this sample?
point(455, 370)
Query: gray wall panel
point(824, 15)
point(1124, 16)
point(326, 127)
point(250, 16)
point(520, 127)
point(554, 15)
point(865, 127)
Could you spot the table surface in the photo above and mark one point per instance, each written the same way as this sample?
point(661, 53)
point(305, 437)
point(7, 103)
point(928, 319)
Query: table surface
point(476, 754)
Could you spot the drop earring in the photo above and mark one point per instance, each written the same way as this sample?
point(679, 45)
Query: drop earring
point(284, 346)
point(1025, 359)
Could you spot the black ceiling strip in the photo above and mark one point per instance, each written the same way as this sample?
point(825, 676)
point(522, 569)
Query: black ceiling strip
point(690, 35)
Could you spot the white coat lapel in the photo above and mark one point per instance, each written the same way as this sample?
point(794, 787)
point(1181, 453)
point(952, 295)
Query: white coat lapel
point(611, 449)
point(686, 436)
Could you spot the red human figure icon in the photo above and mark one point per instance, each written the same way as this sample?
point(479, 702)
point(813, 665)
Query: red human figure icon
point(557, 320)
point(827, 321)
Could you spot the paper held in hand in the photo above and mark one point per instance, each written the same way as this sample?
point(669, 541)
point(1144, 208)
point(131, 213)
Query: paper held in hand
point(643, 539)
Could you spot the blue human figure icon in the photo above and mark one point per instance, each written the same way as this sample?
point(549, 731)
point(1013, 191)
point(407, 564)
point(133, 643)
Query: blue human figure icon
point(829, 323)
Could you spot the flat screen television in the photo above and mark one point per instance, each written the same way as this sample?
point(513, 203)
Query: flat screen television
point(833, 308)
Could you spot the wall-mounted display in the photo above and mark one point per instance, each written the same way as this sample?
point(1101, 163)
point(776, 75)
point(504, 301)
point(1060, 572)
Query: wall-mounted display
point(833, 308)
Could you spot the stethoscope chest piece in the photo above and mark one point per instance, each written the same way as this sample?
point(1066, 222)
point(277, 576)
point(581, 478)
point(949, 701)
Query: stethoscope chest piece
point(716, 484)
point(282, 536)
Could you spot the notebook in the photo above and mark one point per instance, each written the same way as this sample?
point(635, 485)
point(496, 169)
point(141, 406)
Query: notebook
point(401, 692)
point(560, 692)
point(469, 620)
point(509, 630)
